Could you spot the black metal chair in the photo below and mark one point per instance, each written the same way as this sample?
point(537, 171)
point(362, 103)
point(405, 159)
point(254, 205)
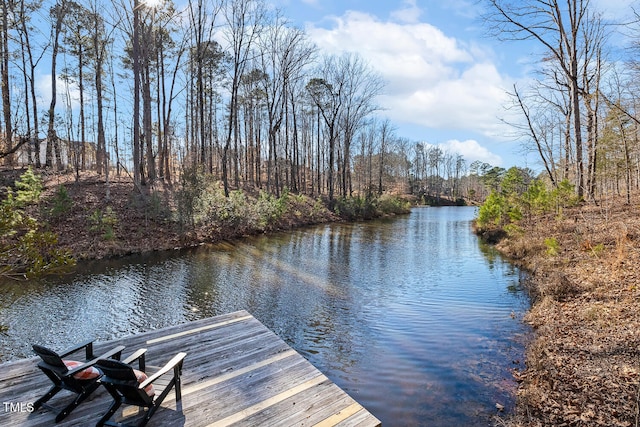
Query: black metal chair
point(80, 378)
point(132, 387)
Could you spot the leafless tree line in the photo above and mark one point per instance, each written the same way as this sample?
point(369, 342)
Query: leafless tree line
point(230, 88)
point(579, 112)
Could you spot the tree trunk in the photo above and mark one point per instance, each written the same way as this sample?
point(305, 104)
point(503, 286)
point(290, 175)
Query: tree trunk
point(6, 96)
point(136, 94)
point(58, 12)
point(102, 163)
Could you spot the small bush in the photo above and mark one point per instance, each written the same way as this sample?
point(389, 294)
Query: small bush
point(103, 223)
point(388, 204)
point(491, 213)
point(553, 247)
point(267, 210)
point(192, 197)
point(62, 203)
point(28, 188)
point(537, 199)
point(564, 195)
point(25, 250)
point(318, 208)
point(353, 208)
point(156, 207)
point(513, 230)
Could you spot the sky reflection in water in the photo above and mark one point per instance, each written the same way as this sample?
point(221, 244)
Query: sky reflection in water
point(412, 316)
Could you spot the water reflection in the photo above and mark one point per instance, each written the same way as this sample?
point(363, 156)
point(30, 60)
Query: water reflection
point(412, 316)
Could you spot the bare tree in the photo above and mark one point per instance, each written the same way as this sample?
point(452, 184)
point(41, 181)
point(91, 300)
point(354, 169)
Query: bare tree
point(26, 10)
point(244, 19)
point(284, 52)
point(363, 85)
point(327, 94)
point(386, 134)
point(538, 137)
point(558, 27)
point(7, 7)
point(206, 59)
point(57, 13)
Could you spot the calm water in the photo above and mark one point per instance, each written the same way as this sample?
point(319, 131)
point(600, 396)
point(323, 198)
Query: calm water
point(412, 316)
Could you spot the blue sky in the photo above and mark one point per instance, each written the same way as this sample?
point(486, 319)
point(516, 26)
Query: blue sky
point(447, 81)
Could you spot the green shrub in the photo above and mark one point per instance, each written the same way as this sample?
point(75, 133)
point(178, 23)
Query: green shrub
point(156, 207)
point(388, 204)
point(537, 199)
point(191, 197)
point(491, 213)
point(25, 249)
point(233, 211)
point(352, 208)
point(513, 230)
point(28, 188)
point(553, 247)
point(104, 223)
point(564, 195)
point(40, 255)
point(267, 210)
point(62, 203)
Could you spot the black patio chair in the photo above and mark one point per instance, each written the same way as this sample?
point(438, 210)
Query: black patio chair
point(80, 378)
point(133, 387)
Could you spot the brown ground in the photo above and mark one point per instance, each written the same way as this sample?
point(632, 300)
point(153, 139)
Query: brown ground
point(583, 366)
point(141, 225)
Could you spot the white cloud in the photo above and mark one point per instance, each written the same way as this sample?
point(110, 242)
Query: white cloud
point(471, 150)
point(64, 91)
point(433, 80)
point(620, 10)
point(410, 14)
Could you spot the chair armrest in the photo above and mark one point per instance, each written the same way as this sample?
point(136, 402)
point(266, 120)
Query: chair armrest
point(89, 349)
point(113, 353)
point(139, 355)
point(176, 362)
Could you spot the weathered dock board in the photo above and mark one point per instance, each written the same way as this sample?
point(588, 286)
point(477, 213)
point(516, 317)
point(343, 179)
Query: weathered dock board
point(237, 372)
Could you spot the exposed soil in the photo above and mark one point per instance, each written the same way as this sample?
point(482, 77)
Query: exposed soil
point(583, 366)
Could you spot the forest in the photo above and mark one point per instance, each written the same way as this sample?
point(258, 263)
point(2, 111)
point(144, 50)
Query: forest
point(150, 90)
point(233, 89)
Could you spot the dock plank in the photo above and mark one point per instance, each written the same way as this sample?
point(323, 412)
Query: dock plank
point(237, 372)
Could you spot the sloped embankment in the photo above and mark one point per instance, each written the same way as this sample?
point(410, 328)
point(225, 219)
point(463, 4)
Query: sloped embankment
point(583, 366)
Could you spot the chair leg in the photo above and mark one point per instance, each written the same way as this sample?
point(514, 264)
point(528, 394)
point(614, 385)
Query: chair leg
point(147, 417)
point(112, 410)
point(48, 395)
point(178, 389)
point(78, 400)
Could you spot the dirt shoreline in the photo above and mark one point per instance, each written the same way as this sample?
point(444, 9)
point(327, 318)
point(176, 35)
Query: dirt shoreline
point(143, 223)
point(583, 365)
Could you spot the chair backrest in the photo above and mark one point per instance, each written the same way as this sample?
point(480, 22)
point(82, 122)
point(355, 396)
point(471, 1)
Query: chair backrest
point(116, 370)
point(51, 358)
point(120, 377)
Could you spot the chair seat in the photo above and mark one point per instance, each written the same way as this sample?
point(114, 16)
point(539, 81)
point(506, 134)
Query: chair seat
point(142, 377)
point(86, 374)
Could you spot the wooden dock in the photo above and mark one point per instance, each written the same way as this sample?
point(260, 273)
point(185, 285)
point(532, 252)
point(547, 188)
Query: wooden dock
point(237, 372)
